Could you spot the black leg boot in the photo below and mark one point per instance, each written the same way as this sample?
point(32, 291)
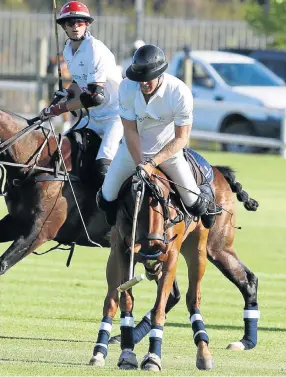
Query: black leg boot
point(109, 208)
point(205, 207)
point(208, 218)
point(101, 167)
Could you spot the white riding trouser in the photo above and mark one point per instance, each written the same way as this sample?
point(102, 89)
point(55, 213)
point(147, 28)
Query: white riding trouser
point(176, 167)
point(110, 131)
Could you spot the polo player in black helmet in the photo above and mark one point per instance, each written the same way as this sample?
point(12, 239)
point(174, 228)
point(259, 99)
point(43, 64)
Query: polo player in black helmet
point(157, 114)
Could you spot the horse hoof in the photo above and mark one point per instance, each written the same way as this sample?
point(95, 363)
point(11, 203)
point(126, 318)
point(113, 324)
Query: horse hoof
point(97, 360)
point(127, 360)
point(115, 339)
point(236, 346)
point(205, 363)
point(151, 362)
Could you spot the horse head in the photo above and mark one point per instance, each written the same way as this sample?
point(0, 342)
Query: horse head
point(158, 216)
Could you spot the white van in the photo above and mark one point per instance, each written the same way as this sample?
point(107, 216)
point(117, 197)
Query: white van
point(233, 94)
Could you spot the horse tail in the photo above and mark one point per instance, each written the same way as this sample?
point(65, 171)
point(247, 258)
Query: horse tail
point(242, 196)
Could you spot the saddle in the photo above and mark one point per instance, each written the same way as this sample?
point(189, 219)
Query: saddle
point(201, 168)
point(85, 144)
point(203, 174)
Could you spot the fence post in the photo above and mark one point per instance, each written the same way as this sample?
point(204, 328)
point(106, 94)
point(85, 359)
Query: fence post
point(188, 67)
point(139, 23)
point(283, 136)
point(41, 71)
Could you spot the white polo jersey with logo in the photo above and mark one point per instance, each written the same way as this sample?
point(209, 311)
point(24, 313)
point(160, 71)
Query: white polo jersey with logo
point(94, 62)
point(171, 106)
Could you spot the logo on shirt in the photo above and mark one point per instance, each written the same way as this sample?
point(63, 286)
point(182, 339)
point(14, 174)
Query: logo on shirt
point(81, 64)
point(141, 119)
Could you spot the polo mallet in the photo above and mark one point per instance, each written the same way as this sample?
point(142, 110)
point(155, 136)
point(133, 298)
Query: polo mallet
point(57, 99)
point(57, 46)
point(133, 280)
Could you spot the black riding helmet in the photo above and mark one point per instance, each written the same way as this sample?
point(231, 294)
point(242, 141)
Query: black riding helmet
point(148, 63)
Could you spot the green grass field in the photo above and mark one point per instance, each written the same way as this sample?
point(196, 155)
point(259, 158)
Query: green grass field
point(50, 314)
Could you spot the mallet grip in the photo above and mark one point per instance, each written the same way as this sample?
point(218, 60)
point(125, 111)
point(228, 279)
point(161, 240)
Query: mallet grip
point(130, 283)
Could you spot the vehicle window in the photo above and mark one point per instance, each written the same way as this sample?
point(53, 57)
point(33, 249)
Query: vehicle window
point(199, 74)
point(246, 74)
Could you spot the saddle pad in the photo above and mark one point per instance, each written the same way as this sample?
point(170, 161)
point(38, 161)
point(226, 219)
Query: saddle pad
point(205, 166)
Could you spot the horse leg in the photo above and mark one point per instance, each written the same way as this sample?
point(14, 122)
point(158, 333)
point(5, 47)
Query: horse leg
point(196, 261)
point(110, 307)
point(228, 263)
point(152, 361)
point(41, 226)
point(144, 326)
point(116, 273)
point(9, 228)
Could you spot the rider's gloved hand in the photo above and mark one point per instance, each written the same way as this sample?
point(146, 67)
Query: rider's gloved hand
point(65, 93)
point(53, 110)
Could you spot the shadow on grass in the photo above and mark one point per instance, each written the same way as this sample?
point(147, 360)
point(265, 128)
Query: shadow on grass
point(46, 339)
point(223, 327)
point(43, 362)
point(185, 325)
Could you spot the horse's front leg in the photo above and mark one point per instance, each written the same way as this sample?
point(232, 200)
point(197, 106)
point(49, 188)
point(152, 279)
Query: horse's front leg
point(42, 224)
point(111, 302)
point(127, 359)
point(9, 228)
point(152, 361)
point(196, 262)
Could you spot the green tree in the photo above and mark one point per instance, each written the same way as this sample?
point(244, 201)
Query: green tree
point(270, 21)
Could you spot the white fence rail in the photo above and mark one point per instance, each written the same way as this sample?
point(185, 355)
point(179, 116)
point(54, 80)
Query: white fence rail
point(244, 140)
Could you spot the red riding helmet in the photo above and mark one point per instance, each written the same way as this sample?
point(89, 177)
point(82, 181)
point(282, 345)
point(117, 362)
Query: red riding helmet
point(74, 9)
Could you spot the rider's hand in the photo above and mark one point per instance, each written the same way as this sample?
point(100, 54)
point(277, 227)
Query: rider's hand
point(52, 111)
point(148, 166)
point(65, 93)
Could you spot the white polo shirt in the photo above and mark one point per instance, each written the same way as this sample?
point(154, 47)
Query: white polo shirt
point(94, 62)
point(170, 107)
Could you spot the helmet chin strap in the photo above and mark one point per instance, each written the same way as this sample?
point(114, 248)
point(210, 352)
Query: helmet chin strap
point(79, 39)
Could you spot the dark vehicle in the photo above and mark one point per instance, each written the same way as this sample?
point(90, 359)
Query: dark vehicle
point(275, 60)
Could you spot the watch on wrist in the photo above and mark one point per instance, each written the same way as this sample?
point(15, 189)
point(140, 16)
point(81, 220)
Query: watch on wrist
point(149, 161)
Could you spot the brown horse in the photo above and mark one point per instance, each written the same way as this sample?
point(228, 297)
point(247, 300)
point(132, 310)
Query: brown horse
point(41, 210)
point(163, 230)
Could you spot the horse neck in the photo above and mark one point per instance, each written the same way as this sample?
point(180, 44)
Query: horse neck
point(8, 126)
point(23, 149)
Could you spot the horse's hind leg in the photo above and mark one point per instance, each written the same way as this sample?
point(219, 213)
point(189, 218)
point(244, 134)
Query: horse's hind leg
point(226, 260)
point(195, 257)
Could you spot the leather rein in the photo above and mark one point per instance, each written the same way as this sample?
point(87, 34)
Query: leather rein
point(157, 194)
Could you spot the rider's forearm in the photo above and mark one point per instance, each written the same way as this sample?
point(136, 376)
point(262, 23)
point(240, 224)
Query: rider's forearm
point(133, 141)
point(169, 150)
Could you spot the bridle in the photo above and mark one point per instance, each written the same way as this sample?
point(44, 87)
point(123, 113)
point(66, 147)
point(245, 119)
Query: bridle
point(32, 170)
point(157, 194)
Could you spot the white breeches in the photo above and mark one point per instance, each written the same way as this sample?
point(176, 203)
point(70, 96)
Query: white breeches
point(110, 131)
point(176, 167)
